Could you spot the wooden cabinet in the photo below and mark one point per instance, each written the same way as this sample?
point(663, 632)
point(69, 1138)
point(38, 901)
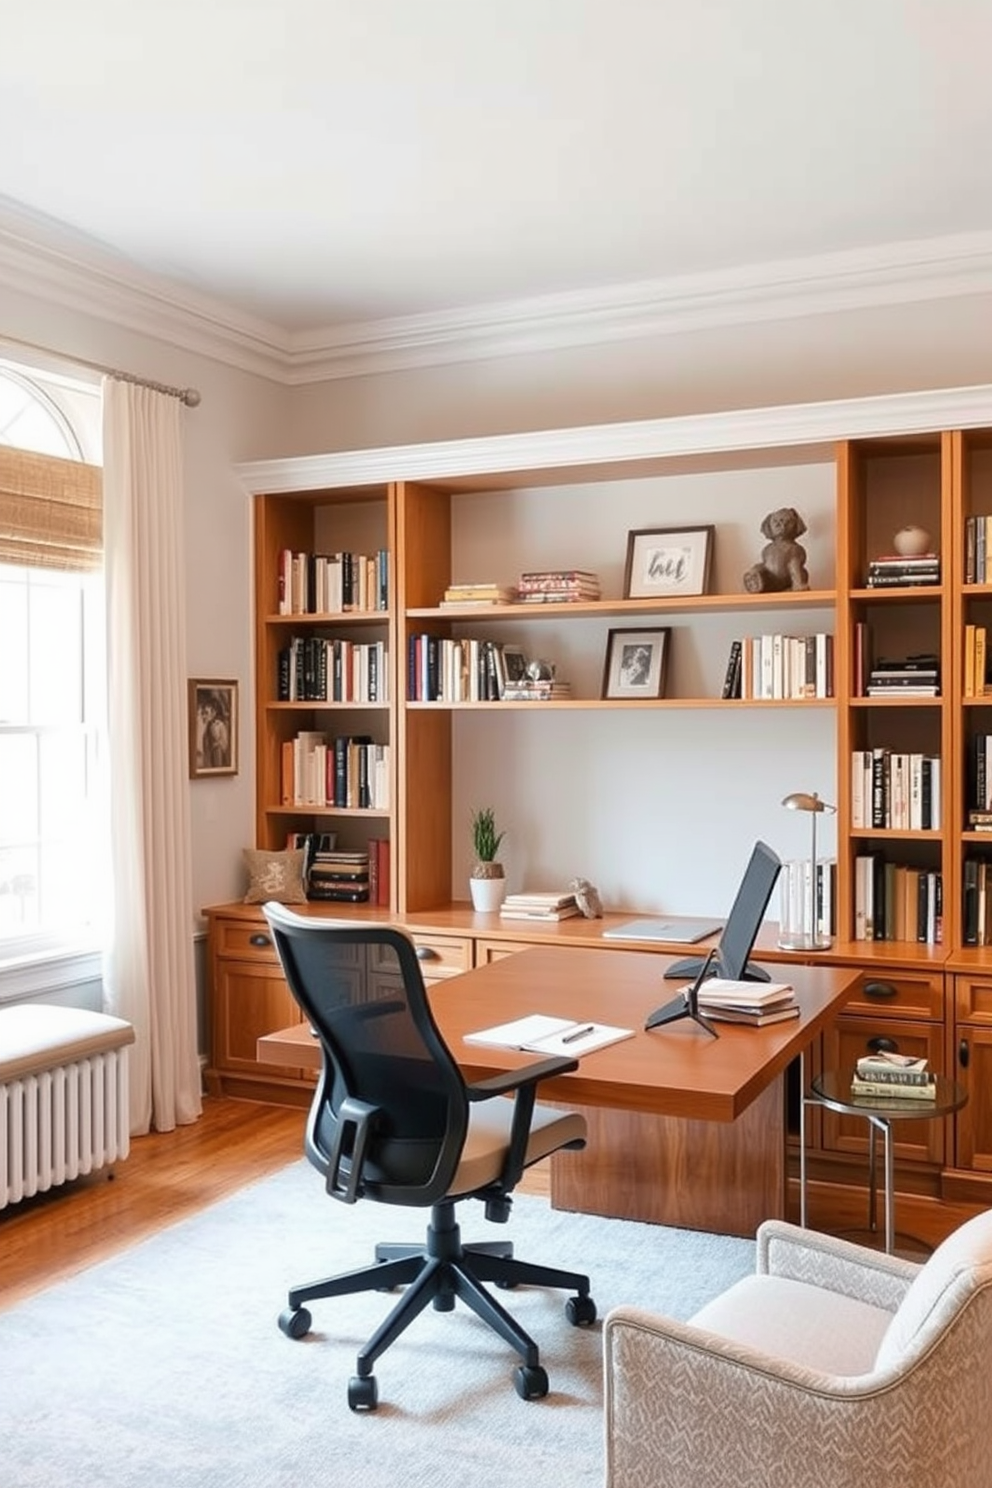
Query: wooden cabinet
point(248, 997)
point(972, 1065)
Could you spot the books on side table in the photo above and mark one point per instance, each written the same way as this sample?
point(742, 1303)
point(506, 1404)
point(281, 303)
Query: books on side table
point(892, 1076)
point(539, 1033)
point(754, 1003)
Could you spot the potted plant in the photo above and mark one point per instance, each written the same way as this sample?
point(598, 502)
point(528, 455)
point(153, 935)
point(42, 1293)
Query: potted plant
point(487, 881)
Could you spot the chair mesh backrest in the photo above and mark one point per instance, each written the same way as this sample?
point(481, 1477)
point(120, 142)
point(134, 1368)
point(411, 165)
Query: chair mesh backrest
point(362, 991)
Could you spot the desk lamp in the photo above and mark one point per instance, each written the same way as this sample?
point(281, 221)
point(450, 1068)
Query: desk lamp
point(808, 937)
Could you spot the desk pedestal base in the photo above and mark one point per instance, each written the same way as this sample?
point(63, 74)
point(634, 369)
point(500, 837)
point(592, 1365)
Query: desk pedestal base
point(724, 1177)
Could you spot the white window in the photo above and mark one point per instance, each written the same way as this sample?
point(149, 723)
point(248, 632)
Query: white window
point(54, 880)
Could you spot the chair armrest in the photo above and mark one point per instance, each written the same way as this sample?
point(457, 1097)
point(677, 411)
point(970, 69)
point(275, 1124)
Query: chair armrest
point(835, 1265)
point(689, 1409)
point(524, 1081)
point(511, 1080)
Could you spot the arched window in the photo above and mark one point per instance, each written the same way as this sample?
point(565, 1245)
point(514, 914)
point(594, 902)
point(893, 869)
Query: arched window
point(53, 879)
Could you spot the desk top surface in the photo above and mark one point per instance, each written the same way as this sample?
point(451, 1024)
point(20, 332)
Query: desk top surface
point(676, 1070)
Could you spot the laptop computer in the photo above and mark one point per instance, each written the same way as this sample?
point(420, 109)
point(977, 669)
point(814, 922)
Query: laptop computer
point(676, 929)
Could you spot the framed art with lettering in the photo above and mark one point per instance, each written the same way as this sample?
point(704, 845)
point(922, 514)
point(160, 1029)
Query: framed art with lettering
point(664, 561)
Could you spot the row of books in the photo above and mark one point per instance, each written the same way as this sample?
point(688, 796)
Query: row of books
point(349, 772)
point(977, 549)
point(977, 901)
point(901, 792)
point(332, 583)
point(893, 901)
point(443, 669)
point(889, 1075)
point(780, 667)
point(976, 652)
point(312, 669)
point(980, 782)
point(894, 571)
point(806, 909)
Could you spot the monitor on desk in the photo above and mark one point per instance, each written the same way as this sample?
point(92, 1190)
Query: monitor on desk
point(743, 923)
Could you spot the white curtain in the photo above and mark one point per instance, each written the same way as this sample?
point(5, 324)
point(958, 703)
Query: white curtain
point(149, 972)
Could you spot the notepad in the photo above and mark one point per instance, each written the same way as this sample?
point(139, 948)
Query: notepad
point(539, 1033)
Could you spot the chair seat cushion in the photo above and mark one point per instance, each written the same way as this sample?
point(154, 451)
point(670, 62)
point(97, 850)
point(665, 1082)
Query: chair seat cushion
point(488, 1137)
point(807, 1325)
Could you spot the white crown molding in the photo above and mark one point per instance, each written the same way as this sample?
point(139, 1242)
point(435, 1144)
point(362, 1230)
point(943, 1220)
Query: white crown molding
point(788, 426)
point(41, 258)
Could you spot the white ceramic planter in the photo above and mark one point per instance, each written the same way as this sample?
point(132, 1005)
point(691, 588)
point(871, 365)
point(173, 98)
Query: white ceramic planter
point(487, 893)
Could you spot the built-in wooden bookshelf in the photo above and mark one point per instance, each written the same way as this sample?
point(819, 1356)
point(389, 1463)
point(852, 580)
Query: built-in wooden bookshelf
point(936, 997)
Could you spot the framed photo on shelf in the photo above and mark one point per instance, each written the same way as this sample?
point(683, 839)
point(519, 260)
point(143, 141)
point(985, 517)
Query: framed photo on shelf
point(515, 664)
point(636, 663)
point(213, 728)
point(665, 561)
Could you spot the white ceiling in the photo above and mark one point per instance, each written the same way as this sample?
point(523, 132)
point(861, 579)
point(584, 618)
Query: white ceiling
point(311, 167)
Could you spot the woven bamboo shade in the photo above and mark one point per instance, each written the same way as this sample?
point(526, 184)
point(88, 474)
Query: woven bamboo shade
point(51, 511)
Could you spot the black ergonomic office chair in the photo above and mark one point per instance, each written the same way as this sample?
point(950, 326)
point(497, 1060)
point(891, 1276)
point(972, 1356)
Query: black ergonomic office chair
point(393, 1120)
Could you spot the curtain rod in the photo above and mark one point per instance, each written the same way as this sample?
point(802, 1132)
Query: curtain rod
point(188, 396)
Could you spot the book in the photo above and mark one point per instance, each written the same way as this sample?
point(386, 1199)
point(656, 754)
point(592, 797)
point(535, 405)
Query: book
point(753, 1017)
point(891, 1062)
point(723, 992)
point(540, 1033)
point(882, 1091)
point(539, 900)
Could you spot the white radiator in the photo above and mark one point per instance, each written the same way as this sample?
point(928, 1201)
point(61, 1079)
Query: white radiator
point(62, 1122)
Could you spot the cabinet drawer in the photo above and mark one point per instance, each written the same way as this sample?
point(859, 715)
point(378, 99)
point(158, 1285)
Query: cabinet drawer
point(442, 955)
point(901, 994)
point(245, 941)
point(495, 950)
point(973, 999)
point(843, 1044)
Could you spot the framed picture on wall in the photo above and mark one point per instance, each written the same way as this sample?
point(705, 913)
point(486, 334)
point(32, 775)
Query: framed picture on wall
point(667, 561)
point(636, 663)
point(213, 728)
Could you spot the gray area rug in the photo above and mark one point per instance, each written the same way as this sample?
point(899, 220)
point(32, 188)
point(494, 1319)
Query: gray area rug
point(164, 1365)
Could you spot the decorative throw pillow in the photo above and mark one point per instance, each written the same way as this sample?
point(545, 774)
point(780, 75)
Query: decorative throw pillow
point(275, 875)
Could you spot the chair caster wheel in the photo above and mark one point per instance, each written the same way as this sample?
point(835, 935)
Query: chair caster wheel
point(295, 1322)
point(580, 1311)
point(531, 1381)
point(363, 1392)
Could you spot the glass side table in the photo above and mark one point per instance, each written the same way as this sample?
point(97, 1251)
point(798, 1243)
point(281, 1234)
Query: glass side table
point(833, 1089)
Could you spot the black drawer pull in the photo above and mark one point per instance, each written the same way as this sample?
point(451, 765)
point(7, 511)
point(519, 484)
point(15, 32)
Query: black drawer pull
point(260, 939)
point(879, 991)
point(428, 953)
point(882, 1044)
point(964, 1054)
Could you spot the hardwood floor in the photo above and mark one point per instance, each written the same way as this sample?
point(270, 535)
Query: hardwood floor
point(167, 1176)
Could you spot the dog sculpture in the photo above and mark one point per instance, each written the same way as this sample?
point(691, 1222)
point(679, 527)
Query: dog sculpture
point(783, 558)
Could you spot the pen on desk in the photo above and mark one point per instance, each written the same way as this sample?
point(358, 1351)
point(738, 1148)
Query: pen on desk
point(569, 1038)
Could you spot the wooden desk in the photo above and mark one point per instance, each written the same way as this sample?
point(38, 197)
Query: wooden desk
point(684, 1129)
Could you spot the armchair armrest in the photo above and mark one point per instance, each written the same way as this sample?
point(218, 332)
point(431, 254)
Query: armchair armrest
point(524, 1082)
point(835, 1265)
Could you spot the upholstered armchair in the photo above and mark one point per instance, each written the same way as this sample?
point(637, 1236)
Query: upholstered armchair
point(833, 1366)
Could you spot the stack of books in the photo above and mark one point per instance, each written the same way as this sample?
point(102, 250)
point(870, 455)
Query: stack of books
point(755, 1003)
point(893, 1076)
point(339, 877)
point(917, 675)
point(542, 690)
point(538, 906)
point(466, 596)
point(558, 586)
point(894, 572)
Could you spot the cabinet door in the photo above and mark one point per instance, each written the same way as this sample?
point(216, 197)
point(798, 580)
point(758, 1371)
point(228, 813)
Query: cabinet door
point(974, 1121)
point(249, 999)
point(843, 1044)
